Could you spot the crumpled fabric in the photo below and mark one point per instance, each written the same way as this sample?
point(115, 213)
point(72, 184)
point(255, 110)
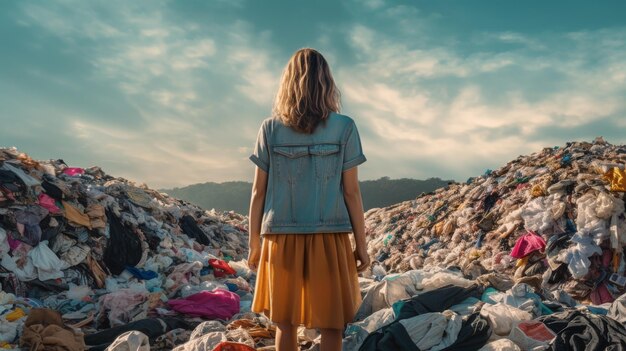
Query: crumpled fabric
point(75, 255)
point(588, 221)
point(521, 296)
point(73, 171)
point(123, 306)
point(139, 197)
point(232, 346)
point(503, 317)
point(132, 340)
point(46, 261)
point(97, 215)
point(441, 279)
point(500, 345)
point(355, 333)
point(29, 218)
point(220, 268)
point(26, 271)
point(616, 178)
point(28, 180)
point(601, 295)
point(433, 331)
point(212, 335)
point(4, 242)
point(617, 310)
point(48, 203)
point(208, 304)
point(386, 292)
point(538, 214)
point(577, 256)
point(76, 216)
point(527, 244)
point(8, 331)
point(532, 335)
point(44, 330)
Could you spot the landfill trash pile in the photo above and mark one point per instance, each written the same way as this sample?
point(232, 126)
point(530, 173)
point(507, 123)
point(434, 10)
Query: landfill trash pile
point(88, 260)
point(526, 257)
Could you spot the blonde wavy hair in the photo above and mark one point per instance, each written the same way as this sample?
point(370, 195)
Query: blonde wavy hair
point(307, 92)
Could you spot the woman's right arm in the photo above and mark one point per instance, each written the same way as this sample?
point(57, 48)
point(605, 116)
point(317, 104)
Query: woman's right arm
point(354, 204)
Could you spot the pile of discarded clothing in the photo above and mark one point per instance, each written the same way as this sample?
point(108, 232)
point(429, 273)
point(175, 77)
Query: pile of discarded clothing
point(89, 260)
point(441, 309)
point(526, 257)
point(554, 220)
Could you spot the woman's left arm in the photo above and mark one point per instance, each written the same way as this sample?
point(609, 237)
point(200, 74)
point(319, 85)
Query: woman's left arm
point(255, 216)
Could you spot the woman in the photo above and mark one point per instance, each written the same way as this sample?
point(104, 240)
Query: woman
point(305, 202)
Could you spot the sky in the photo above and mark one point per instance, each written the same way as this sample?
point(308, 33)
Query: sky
point(172, 93)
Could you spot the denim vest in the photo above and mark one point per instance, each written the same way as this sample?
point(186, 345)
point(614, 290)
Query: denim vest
point(304, 191)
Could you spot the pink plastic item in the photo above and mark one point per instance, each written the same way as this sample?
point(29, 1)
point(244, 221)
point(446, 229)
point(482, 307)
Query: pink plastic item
point(48, 203)
point(527, 244)
point(217, 304)
point(74, 171)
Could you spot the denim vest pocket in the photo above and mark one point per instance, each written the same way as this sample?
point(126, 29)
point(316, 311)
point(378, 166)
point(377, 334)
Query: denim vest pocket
point(326, 163)
point(290, 163)
point(326, 160)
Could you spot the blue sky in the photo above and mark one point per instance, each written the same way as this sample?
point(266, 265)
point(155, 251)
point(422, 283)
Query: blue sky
point(172, 92)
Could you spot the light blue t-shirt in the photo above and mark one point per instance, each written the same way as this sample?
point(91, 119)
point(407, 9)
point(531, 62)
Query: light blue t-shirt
point(304, 190)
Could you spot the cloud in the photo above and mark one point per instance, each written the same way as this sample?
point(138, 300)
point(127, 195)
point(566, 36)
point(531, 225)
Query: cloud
point(465, 111)
point(197, 89)
point(172, 96)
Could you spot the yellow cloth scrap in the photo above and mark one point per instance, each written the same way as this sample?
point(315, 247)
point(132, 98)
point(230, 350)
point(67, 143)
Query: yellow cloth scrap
point(537, 191)
point(76, 216)
point(15, 315)
point(617, 178)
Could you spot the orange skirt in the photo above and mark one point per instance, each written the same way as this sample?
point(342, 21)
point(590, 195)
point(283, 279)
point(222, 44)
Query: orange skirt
point(308, 279)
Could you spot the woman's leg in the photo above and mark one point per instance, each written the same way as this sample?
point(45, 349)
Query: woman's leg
point(331, 339)
point(286, 337)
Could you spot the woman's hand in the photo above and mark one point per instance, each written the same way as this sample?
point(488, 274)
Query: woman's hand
point(254, 255)
point(362, 258)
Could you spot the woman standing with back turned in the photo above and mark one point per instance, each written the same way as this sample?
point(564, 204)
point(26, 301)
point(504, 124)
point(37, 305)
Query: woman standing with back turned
point(305, 202)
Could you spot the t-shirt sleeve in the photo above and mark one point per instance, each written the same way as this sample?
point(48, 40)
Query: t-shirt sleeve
point(353, 154)
point(261, 156)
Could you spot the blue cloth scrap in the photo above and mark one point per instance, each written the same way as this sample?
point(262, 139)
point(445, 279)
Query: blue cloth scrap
point(142, 273)
point(232, 287)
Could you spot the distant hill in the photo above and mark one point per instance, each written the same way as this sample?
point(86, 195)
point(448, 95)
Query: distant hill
point(236, 195)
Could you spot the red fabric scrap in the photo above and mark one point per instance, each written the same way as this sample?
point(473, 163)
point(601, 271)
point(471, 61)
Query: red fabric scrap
point(220, 268)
